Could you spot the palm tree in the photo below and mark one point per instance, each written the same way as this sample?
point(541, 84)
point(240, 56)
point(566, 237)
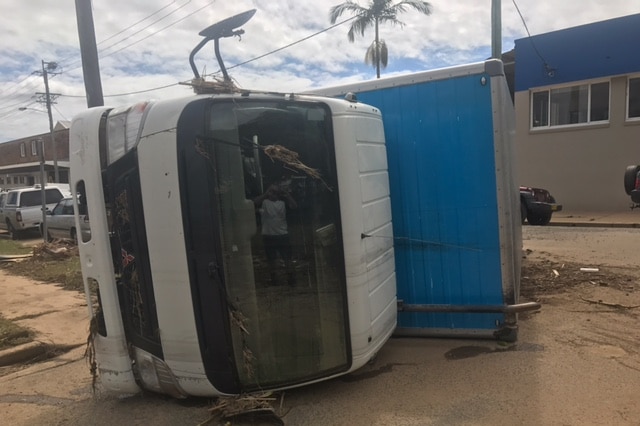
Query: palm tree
point(378, 12)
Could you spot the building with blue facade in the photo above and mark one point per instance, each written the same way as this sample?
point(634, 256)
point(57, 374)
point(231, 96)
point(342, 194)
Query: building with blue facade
point(577, 102)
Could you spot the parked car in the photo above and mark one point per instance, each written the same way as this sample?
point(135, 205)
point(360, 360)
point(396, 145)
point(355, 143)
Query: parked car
point(22, 209)
point(537, 205)
point(3, 200)
point(632, 184)
point(61, 222)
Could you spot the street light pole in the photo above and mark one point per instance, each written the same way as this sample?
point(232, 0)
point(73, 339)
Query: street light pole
point(45, 73)
point(496, 29)
point(43, 195)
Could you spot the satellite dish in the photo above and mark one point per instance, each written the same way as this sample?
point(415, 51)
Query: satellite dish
point(222, 29)
point(225, 27)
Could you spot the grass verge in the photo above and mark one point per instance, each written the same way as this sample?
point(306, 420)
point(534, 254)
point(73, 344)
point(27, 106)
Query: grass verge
point(9, 247)
point(11, 334)
point(62, 268)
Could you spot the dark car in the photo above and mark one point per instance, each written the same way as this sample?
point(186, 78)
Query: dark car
point(537, 205)
point(632, 184)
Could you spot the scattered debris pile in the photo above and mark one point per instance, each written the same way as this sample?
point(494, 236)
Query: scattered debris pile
point(56, 249)
point(544, 277)
point(254, 408)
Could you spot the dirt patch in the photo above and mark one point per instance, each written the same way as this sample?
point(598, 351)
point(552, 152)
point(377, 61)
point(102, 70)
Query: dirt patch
point(542, 276)
point(57, 262)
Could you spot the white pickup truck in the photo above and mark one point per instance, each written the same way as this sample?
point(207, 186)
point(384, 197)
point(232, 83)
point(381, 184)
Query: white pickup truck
point(21, 208)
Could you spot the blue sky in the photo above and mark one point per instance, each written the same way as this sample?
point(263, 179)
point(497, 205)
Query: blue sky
point(144, 45)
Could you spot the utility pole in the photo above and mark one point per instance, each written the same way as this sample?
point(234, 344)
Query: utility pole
point(89, 54)
point(48, 67)
point(496, 29)
point(43, 195)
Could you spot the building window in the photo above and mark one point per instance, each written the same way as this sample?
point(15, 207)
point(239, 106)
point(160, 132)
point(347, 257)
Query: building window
point(633, 98)
point(23, 150)
point(34, 148)
point(570, 105)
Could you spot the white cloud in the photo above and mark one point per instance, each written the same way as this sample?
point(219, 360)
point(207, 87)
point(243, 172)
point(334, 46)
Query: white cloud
point(136, 58)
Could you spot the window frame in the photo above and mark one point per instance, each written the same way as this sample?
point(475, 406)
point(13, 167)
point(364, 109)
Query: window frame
point(549, 98)
point(628, 99)
point(23, 150)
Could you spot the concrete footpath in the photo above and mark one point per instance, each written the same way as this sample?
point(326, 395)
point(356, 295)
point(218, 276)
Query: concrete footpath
point(619, 219)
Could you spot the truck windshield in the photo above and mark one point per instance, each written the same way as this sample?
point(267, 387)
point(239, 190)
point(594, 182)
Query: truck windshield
point(261, 201)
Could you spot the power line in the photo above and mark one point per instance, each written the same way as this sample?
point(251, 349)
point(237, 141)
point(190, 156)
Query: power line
point(16, 89)
point(290, 44)
point(125, 94)
point(547, 68)
point(141, 20)
point(236, 65)
point(233, 66)
point(149, 35)
point(118, 33)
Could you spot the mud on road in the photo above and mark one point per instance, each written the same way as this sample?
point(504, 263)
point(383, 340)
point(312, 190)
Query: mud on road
point(577, 360)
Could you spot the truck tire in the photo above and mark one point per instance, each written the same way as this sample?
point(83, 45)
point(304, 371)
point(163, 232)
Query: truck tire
point(523, 211)
point(539, 219)
point(630, 176)
point(12, 231)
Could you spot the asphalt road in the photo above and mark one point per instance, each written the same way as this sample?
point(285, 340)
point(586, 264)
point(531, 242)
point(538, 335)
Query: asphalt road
point(575, 363)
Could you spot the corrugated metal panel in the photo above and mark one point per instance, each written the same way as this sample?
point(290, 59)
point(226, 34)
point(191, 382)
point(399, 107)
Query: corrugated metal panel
point(442, 176)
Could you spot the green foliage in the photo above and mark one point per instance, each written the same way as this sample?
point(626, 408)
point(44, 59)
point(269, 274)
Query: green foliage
point(378, 12)
point(9, 247)
point(65, 271)
point(11, 334)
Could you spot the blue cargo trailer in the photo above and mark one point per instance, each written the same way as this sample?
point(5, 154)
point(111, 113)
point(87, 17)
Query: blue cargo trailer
point(454, 198)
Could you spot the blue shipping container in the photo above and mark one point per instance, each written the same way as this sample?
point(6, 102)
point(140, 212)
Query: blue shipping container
point(454, 198)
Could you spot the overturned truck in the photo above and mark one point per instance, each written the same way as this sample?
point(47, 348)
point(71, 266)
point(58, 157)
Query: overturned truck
point(227, 251)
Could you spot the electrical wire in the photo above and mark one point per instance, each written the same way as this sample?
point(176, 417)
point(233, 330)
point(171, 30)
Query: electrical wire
point(126, 94)
point(547, 68)
point(233, 66)
point(102, 56)
point(230, 67)
point(63, 61)
point(290, 44)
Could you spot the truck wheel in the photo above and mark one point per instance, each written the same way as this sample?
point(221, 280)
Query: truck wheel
point(12, 231)
point(539, 219)
point(523, 211)
point(630, 176)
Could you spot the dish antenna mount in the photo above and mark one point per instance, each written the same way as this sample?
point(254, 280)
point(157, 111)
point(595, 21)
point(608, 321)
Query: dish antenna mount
point(222, 29)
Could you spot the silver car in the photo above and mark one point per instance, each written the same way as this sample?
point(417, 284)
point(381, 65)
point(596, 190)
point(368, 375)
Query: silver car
point(61, 223)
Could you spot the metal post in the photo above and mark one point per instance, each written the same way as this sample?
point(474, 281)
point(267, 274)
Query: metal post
point(45, 74)
point(496, 29)
point(89, 54)
point(43, 193)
